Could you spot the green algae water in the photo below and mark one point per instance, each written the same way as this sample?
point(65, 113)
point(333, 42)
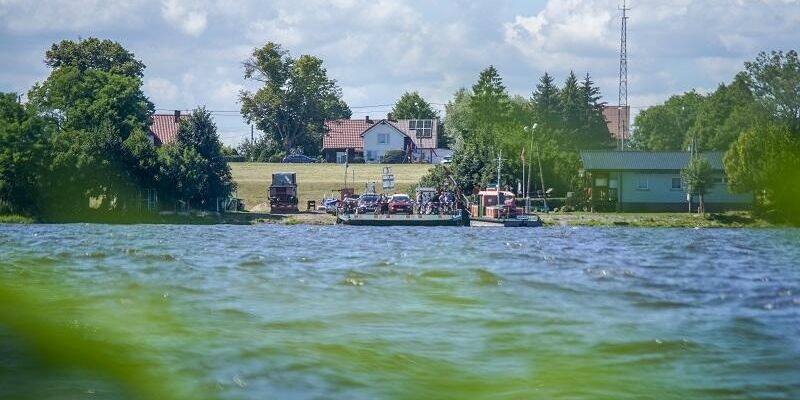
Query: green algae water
point(300, 312)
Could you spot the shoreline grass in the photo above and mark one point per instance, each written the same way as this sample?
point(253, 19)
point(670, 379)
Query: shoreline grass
point(738, 219)
point(577, 219)
point(15, 219)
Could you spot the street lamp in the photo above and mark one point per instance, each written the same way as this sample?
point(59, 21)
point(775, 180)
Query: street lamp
point(526, 183)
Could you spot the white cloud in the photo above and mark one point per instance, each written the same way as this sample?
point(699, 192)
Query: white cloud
point(188, 15)
point(228, 92)
point(566, 32)
point(161, 91)
point(27, 16)
point(377, 49)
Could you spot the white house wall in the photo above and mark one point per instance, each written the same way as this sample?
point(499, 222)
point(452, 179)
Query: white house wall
point(373, 150)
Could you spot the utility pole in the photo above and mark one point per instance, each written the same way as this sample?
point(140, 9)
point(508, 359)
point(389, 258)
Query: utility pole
point(251, 134)
point(499, 161)
point(522, 157)
point(622, 108)
point(541, 178)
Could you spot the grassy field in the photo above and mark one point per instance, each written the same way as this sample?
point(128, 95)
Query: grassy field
point(316, 180)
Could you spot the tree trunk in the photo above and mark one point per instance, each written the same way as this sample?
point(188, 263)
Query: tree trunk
point(702, 205)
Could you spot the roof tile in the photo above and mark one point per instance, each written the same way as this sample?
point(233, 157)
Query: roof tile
point(644, 160)
point(347, 133)
point(164, 128)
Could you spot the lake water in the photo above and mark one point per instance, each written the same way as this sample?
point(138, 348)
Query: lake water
point(305, 312)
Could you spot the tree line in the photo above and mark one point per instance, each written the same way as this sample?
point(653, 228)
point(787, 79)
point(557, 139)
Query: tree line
point(80, 144)
point(755, 120)
point(294, 100)
point(486, 122)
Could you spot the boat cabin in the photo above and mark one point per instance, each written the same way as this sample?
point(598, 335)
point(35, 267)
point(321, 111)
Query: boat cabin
point(487, 205)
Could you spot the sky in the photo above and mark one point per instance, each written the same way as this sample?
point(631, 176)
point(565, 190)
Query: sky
point(379, 49)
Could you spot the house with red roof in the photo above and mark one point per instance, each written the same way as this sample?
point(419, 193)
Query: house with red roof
point(613, 115)
point(163, 128)
point(346, 139)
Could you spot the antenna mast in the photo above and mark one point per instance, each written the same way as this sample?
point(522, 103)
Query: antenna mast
point(622, 109)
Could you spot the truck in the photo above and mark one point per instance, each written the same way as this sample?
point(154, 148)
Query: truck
point(283, 196)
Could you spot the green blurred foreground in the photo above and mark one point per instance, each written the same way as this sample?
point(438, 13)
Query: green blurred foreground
point(51, 349)
point(57, 351)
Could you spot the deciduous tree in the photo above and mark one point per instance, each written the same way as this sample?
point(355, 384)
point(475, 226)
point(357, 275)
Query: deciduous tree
point(295, 100)
point(766, 160)
point(775, 81)
point(199, 133)
point(666, 126)
point(23, 138)
point(94, 54)
point(412, 106)
point(697, 175)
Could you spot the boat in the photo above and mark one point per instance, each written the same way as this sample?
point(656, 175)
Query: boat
point(520, 221)
point(497, 208)
point(456, 219)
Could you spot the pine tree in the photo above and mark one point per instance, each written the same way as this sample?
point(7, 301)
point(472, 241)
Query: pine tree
point(489, 102)
point(572, 106)
point(594, 133)
point(545, 101)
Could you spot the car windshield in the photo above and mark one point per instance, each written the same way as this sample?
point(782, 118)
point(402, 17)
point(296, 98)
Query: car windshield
point(400, 198)
point(369, 197)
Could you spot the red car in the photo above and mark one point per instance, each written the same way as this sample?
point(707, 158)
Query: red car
point(400, 203)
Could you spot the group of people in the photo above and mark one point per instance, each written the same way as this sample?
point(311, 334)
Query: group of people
point(435, 203)
point(382, 205)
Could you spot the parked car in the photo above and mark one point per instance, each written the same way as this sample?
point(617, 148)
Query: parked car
point(400, 203)
point(298, 158)
point(367, 203)
point(447, 159)
point(330, 205)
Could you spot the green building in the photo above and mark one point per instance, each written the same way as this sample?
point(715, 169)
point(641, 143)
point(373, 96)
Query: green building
point(651, 181)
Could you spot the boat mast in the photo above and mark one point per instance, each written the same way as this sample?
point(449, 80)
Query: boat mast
point(541, 177)
point(499, 160)
point(522, 157)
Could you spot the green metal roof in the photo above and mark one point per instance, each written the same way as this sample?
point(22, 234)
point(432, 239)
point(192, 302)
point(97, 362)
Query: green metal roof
point(644, 160)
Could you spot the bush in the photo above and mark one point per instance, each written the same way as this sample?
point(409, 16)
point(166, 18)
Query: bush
point(357, 160)
point(394, 157)
point(277, 157)
point(236, 158)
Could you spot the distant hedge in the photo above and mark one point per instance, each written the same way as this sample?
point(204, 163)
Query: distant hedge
point(394, 157)
point(237, 158)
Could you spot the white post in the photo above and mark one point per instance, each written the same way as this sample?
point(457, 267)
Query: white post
point(499, 160)
point(523, 177)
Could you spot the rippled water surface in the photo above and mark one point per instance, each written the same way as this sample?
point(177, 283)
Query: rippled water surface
point(362, 313)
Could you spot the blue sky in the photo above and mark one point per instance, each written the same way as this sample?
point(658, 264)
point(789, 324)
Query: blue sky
point(377, 49)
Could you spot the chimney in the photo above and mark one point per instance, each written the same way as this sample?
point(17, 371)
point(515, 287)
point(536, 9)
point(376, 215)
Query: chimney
point(177, 116)
point(390, 117)
point(369, 121)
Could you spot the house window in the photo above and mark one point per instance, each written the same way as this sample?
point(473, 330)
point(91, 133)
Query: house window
point(644, 184)
point(676, 183)
point(601, 182)
point(383, 138)
point(422, 127)
point(719, 180)
point(371, 155)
